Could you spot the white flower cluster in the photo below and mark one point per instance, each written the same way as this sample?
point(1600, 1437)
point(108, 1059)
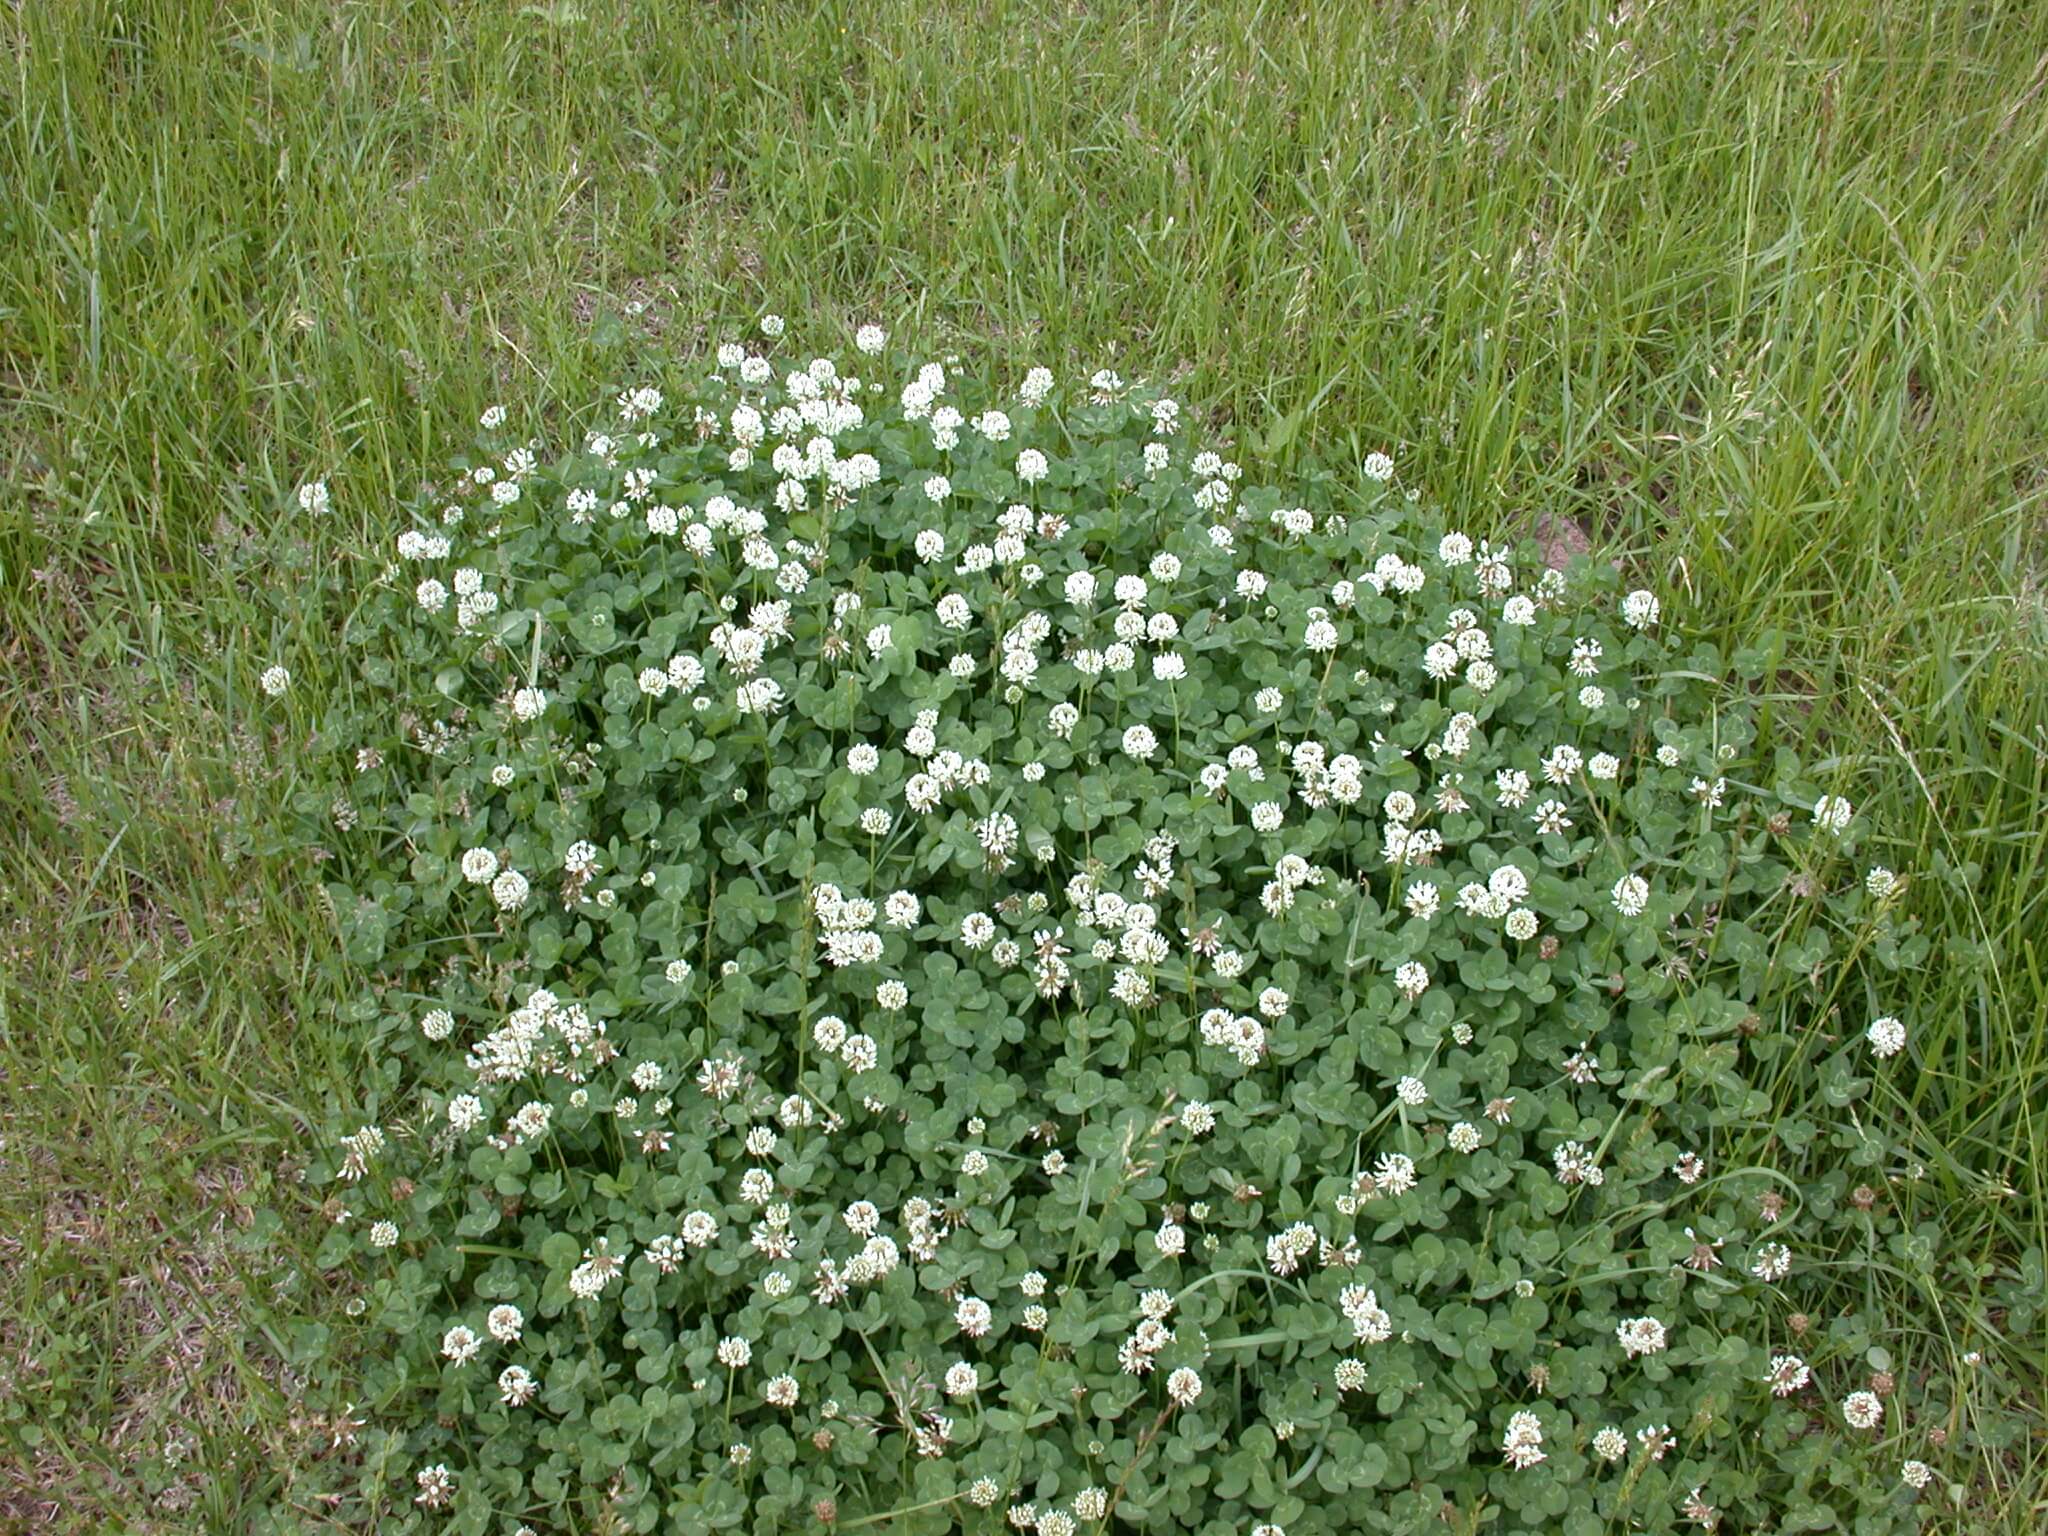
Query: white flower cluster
point(542, 1036)
point(1368, 1319)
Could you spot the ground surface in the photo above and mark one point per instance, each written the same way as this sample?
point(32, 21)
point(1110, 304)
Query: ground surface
point(1749, 296)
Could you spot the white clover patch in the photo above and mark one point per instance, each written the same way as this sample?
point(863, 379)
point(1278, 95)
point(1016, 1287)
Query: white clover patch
point(933, 952)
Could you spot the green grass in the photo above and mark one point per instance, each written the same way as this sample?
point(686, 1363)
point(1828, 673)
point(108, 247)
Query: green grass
point(1750, 297)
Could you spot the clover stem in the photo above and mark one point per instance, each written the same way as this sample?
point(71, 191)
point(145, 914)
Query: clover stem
point(1144, 1444)
point(731, 1375)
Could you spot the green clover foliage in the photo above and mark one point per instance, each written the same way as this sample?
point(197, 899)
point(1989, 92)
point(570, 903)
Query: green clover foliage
point(931, 959)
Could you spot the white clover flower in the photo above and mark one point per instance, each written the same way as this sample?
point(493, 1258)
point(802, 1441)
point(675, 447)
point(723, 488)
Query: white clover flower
point(699, 1229)
point(436, 1486)
point(1184, 1386)
point(871, 339)
point(509, 890)
point(1575, 1165)
point(1773, 1262)
point(528, 704)
point(275, 681)
point(460, 1345)
point(1640, 1336)
point(1320, 638)
point(1639, 609)
point(1831, 813)
point(1863, 1410)
point(1788, 1374)
point(1378, 467)
point(1610, 1444)
point(1631, 895)
point(1916, 1474)
point(1393, 1174)
point(1887, 1036)
point(1561, 765)
point(1507, 884)
point(1522, 1445)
